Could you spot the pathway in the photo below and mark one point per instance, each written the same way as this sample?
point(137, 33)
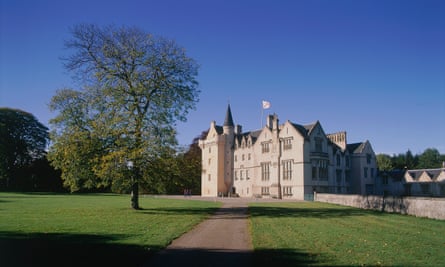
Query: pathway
point(221, 240)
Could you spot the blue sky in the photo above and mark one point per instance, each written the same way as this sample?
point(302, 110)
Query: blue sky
point(375, 69)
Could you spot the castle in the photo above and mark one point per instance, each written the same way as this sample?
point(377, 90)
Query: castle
point(283, 161)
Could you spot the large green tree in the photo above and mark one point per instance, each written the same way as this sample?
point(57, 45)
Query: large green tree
point(23, 140)
point(384, 162)
point(134, 87)
point(430, 158)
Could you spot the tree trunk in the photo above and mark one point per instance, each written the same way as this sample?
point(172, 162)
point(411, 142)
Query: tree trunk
point(135, 196)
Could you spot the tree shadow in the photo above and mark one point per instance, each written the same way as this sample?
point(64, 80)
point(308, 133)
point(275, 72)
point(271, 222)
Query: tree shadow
point(273, 212)
point(40, 249)
point(179, 210)
point(200, 257)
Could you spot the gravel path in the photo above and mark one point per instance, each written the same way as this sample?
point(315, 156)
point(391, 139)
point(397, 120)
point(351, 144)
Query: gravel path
point(221, 240)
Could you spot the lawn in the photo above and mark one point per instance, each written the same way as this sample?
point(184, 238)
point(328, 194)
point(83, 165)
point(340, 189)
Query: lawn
point(320, 234)
point(90, 230)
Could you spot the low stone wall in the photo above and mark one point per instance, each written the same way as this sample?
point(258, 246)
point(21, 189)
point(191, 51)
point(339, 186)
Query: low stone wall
point(418, 206)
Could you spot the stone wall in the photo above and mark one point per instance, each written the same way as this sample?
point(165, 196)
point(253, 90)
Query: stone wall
point(418, 206)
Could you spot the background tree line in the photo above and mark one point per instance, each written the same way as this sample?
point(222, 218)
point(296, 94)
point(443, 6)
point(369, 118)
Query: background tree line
point(24, 165)
point(429, 159)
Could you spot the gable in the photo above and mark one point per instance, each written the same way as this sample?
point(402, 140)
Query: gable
point(424, 177)
point(265, 134)
point(214, 131)
point(291, 129)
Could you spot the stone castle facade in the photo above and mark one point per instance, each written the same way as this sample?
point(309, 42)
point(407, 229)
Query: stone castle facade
point(286, 160)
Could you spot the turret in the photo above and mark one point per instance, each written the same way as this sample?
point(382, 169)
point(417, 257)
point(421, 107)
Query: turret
point(228, 126)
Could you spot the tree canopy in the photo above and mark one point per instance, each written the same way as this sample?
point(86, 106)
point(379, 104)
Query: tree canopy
point(23, 141)
point(134, 87)
point(429, 159)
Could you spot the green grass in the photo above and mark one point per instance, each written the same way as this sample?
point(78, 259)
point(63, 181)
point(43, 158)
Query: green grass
point(320, 234)
point(90, 230)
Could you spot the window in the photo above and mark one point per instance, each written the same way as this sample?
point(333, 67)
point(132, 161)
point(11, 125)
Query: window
point(323, 173)
point(247, 175)
point(314, 173)
point(368, 158)
point(287, 143)
point(365, 172)
point(264, 191)
point(265, 147)
point(372, 173)
point(338, 160)
point(347, 161)
point(248, 156)
point(323, 170)
point(287, 190)
point(236, 175)
point(209, 177)
point(338, 174)
point(287, 170)
point(320, 170)
point(347, 176)
point(210, 149)
point(318, 145)
point(242, 157)
point(241, 175)
point(236, 158)
point(265, 174)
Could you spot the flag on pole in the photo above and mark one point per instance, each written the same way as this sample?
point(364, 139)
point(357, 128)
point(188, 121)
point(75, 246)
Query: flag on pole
point(266, 104)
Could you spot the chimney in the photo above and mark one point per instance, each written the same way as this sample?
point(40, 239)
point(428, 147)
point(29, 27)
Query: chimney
point(238, 129)
point(272, 122)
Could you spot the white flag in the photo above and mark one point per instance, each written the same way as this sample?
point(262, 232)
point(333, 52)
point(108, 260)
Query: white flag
point(266, 104)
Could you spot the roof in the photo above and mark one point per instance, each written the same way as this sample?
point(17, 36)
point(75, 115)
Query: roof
point(229, 120)
point(219, 129)
point(356, 147)
point(301, 129)
point(433, 174)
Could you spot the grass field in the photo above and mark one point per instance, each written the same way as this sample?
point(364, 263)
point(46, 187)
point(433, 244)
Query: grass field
point(101, 230)
point(319, 234)
point(90, 230)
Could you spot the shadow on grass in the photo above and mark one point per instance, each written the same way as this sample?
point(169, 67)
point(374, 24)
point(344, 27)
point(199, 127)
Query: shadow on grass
point(222, 258)
point(273, 212)
point(179, 210)
point(18, 249)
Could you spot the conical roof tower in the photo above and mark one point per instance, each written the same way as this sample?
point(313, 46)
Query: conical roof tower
point(228, 120)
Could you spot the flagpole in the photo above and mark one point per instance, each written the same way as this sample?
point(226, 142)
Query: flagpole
point(262, 111)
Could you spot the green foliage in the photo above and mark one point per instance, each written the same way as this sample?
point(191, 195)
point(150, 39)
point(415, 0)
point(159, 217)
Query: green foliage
point(23, 141)
point(405, 161)
point(384, 162)
point(135, 86)
point(91, 230)
point(319, 234)
point(430, 158)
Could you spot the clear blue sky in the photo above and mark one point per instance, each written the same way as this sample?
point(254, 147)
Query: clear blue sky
point(375, 69)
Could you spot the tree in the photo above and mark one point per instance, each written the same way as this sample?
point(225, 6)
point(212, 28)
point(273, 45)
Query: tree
point(384, 162)
point(135, 86)
point(430, 158)
point(23, 140)
point(404, 161)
